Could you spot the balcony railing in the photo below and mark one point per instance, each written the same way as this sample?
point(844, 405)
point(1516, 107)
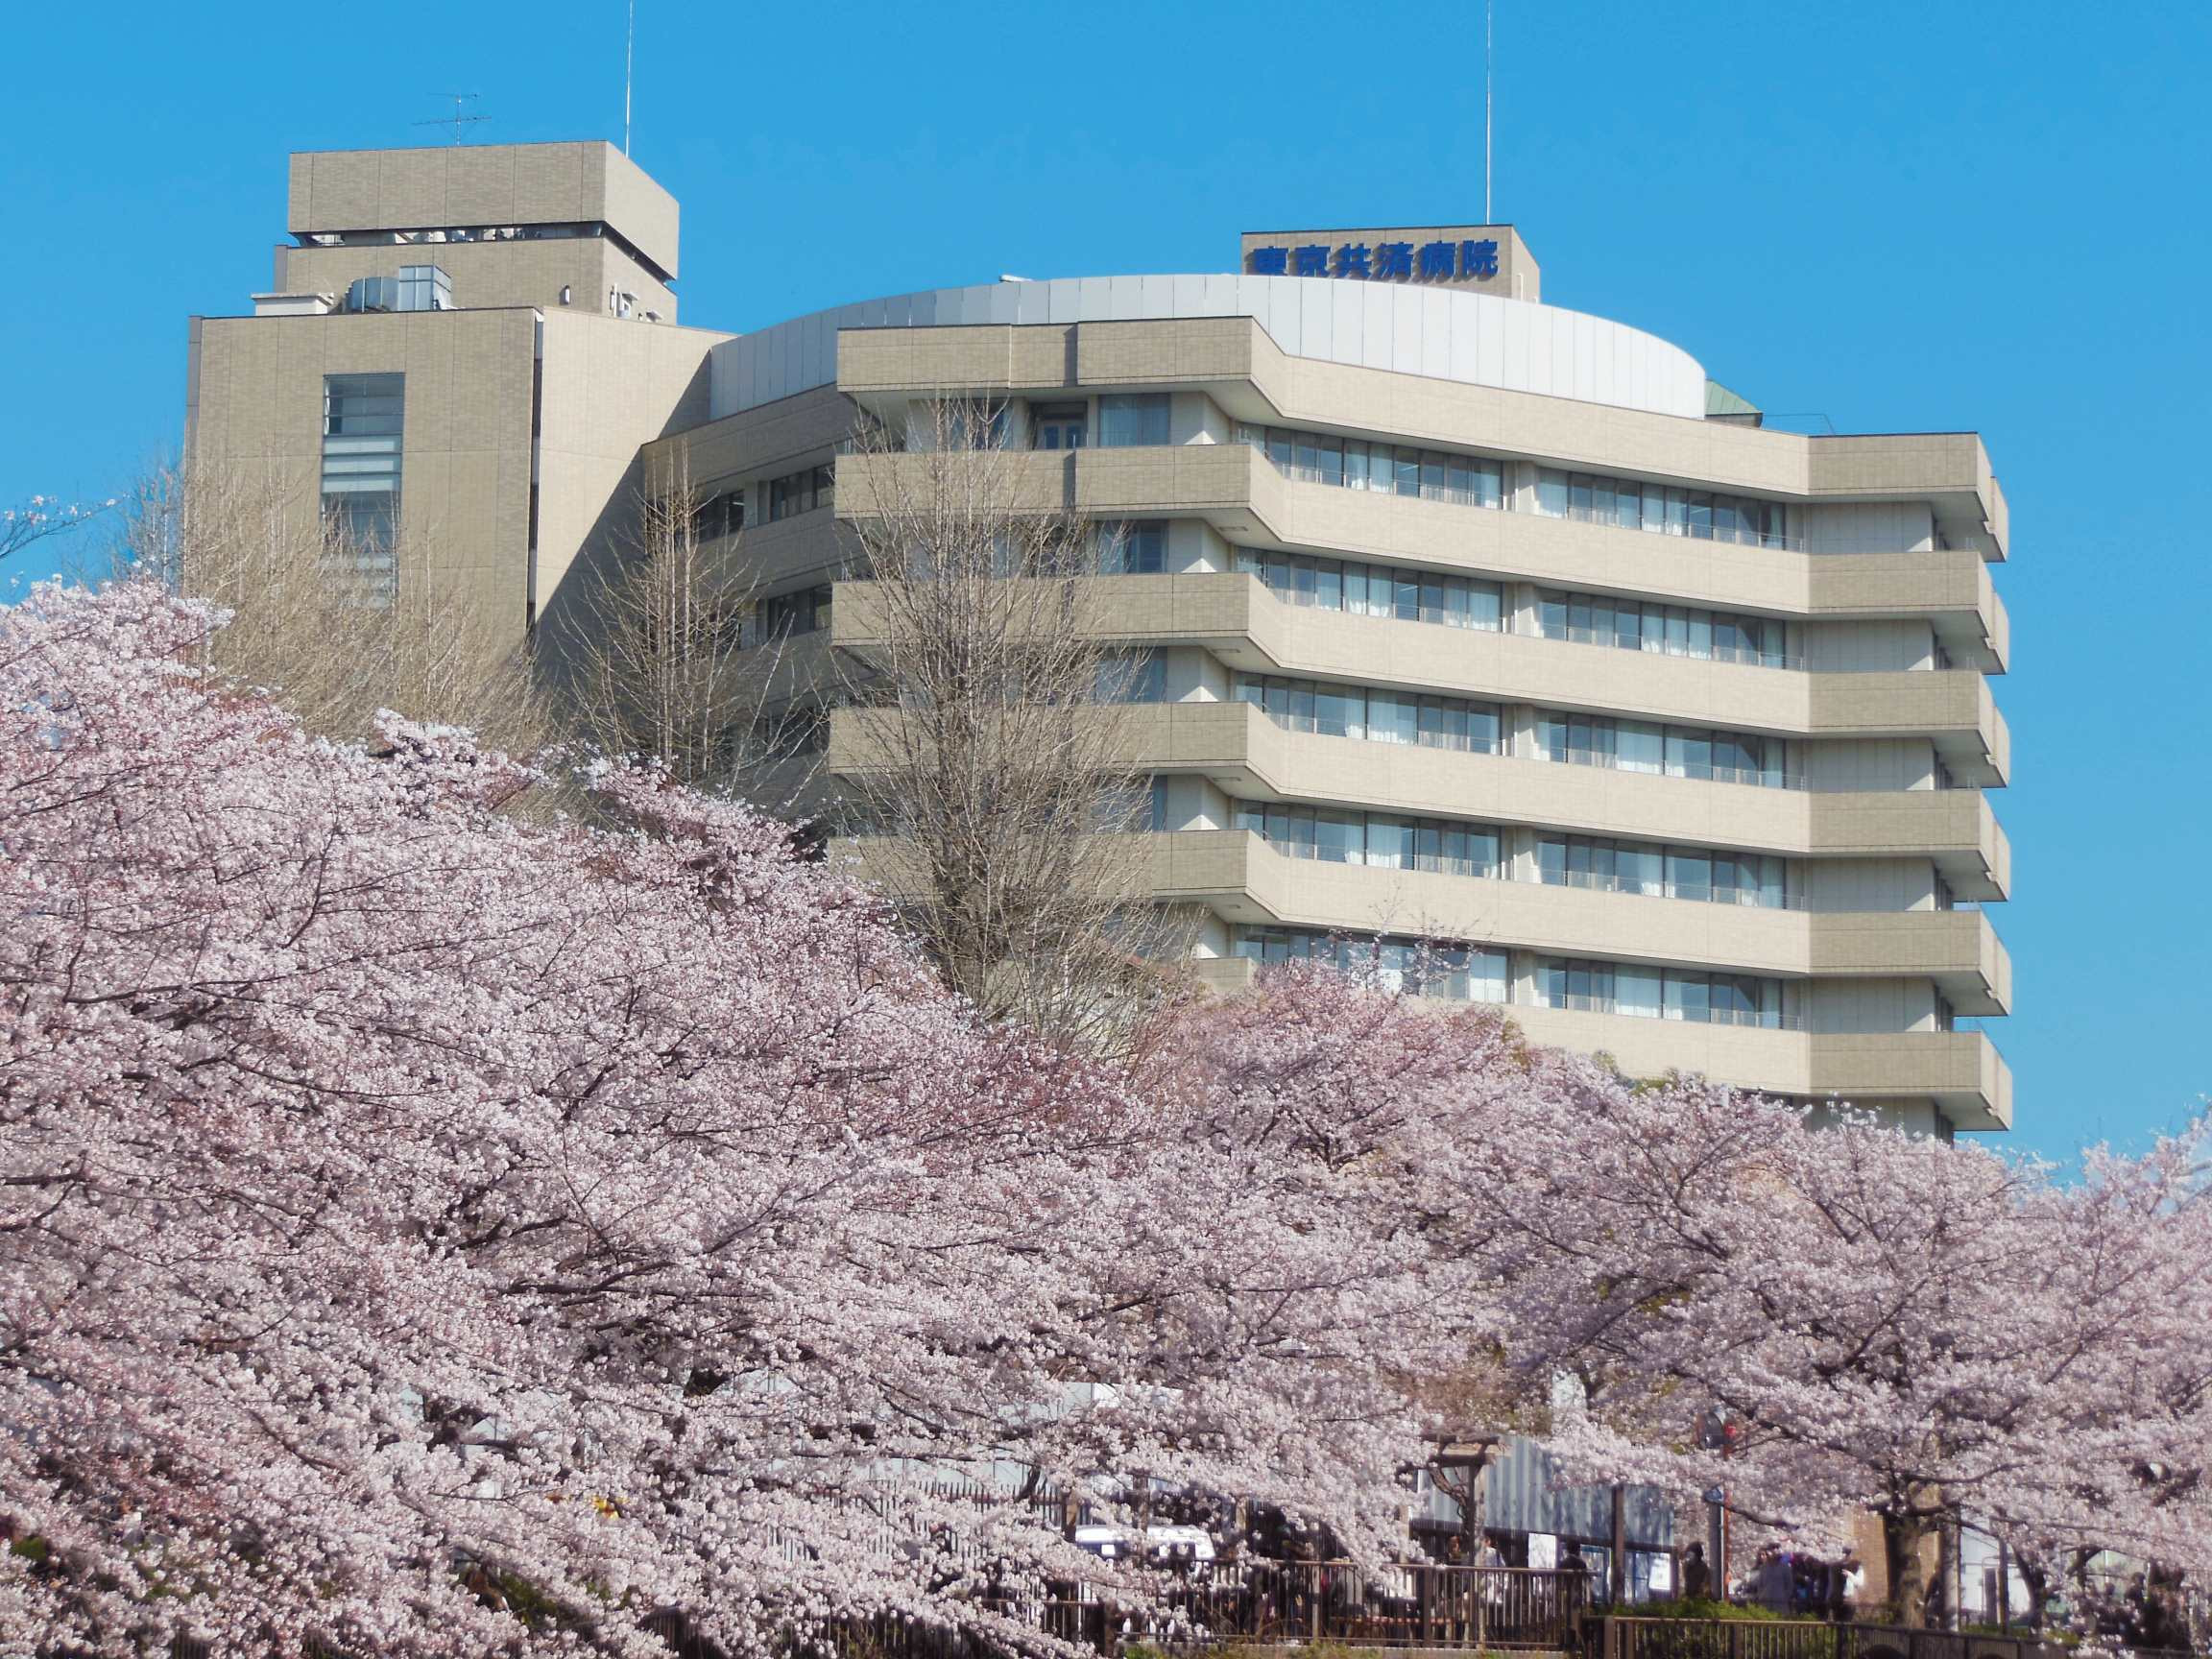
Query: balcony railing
point(1462, 496)
point(1763, 778)
point(1703, 893)
point(1771, 1020)
point(1760, 778)
point(1592, 880)
point(1463, 742)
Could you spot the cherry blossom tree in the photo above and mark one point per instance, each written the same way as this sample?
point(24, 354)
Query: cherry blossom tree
point(1886, 1322)
point(432, 1232)
point(427, 1229)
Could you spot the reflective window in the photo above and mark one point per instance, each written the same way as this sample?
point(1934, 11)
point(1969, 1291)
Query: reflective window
point(1450, 847)
point(1335, 709)
point(1390, 468)
point(1132, 548)
point(1060, 425)
point(1139, 676)
point(1632, 504)
point(1374, 589)
point(1677, 751)
point(801, 492)
point(1660, 993)
point(1672, 629)
point(1419, 967)
point(364, 419)
point(1131, 418)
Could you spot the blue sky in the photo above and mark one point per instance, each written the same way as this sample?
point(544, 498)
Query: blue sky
point(1899, 217)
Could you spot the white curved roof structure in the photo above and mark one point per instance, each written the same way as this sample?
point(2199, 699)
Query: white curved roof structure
point(1477, 339)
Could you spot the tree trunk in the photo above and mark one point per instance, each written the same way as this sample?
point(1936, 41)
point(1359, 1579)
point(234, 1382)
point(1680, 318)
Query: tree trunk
point(1904, 1541)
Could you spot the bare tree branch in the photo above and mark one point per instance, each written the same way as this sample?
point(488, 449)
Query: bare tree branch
point(990, 764)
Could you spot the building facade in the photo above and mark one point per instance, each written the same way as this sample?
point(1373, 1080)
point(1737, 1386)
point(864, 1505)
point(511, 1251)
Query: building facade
point(1495, 639)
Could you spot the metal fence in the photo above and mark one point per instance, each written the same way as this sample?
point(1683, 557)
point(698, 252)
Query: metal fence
point(1624, 1638)
point(1272, 1601)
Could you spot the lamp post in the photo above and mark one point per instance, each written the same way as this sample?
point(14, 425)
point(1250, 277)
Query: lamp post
point(1458, 1466)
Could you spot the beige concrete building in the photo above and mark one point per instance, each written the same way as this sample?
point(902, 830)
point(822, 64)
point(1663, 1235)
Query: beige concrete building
point(1466, 622)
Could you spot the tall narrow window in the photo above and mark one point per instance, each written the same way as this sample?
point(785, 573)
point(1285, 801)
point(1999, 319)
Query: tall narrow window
point(363, 421)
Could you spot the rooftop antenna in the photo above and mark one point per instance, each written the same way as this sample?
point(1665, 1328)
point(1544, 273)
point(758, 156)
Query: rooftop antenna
point(457, 121)
point(629, 60)
point(1488, 101)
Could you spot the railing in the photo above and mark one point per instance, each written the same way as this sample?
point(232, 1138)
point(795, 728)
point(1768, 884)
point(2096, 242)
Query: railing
point(1502, 501)
point(1434, 863)
point(1758, 776)
point(1606, 636)
point(1311, 599)
point(1767, 1020)
point(1760, 779)
point(1704, 893)
point(1684, 531)
point(1308, 723)
point(1412, 1606)
point(1630, 1638)
point(1699, 893)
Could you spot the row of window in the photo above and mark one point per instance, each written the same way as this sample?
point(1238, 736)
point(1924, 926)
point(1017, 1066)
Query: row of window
point(1660, 993)
point(1662, 510)
point(1376, 589)
point(1480, 481)
point(1465, 602)
point(1474, 973)
point(1384, 469)
point(1664, 872)
point(1381, 839)
point(1670, 630)
point(1379, 717)
point(786, 616)
point(1420, 968)
point(1670, 751)
point(721, 514)
point(801, 492)
point(1454, 847)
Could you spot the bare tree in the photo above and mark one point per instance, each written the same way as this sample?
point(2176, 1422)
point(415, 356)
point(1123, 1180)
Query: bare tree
point(337, 628)
point(682, 663)
point(991, 729)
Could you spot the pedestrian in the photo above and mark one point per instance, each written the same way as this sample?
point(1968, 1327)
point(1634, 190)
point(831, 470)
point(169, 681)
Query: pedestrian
point(1696, 1576)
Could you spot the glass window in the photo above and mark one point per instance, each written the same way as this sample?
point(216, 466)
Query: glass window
point(1340, 711)
point(1061, 425)
point(1390, 842)
point(1407, 471)
point(363, 437)
point(1128, 419)
point(1133, 547)
point(1551, 493)
point(1393, 717)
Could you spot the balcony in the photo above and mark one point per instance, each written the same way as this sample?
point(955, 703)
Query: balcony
point(1249, 502)
point(1961, 1071)
point(1250, 757)
point(1240, 621)
point(1243, 878)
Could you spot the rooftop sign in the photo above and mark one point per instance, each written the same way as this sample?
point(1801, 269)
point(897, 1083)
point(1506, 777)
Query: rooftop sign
point(1487, 258)
point(1386, 261)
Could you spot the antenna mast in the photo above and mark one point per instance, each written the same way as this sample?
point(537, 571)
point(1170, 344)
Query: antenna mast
point(629, 60)
point(1488, 6)
point(457, 121)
